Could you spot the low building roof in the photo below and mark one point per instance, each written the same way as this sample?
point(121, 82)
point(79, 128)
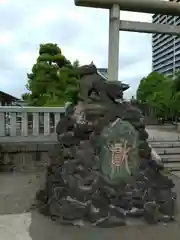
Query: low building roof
point(8, 97)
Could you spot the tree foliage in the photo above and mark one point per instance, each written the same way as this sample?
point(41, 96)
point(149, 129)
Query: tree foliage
point(52, 80)
point(160, 93)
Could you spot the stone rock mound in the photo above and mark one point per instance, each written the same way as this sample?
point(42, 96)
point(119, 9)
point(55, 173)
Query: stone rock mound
point(102, 172)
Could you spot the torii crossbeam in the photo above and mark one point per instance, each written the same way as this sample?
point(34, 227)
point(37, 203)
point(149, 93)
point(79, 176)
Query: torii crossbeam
point(145, 6)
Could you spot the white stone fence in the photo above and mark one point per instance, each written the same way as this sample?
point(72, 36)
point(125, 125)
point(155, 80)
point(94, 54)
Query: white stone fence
point(25, 121)
point(34, 121)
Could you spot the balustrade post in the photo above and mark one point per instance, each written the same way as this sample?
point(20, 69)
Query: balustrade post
point(2, 124)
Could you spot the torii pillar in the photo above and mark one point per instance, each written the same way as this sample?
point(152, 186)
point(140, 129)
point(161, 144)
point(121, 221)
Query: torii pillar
point(113, 50)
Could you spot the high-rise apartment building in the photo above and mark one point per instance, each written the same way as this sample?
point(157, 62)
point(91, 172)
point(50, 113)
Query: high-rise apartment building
point(166, 48)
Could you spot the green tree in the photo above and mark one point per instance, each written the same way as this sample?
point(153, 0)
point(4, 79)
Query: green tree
point(176, 82)
point(52, 81)
point(149, 85)
point(176, 95)
point(156, 91)
point(76, 63)
point(162, 101)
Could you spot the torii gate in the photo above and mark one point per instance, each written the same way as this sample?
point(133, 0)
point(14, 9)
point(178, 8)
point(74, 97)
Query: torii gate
point(115, 24)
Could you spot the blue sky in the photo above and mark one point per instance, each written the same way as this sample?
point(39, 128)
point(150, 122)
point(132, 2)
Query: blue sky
point(82, 33)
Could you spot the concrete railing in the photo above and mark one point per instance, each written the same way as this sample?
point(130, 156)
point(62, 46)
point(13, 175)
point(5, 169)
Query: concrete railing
point(25, 121)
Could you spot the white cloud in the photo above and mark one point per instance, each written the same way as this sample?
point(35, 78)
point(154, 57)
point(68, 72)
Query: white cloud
point(5, 37)
point(46, 15)
point(25, 59)
point(82, 33)
point(3, 2)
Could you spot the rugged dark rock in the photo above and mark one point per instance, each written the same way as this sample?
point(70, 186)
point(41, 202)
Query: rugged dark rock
point(102, 172)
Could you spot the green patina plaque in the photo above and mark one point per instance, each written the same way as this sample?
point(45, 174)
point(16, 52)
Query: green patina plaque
point(117, 148)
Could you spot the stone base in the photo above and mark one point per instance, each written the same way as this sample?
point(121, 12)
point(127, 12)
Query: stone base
point(74, 196)
point(25, 156)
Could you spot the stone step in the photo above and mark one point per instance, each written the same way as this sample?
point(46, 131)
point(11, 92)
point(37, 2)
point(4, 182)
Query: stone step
point(165, 145)
point(170, 160)
point(170, 157)
point(167, 151)
point(155, 139)
point(173, 166)
point(163, 140)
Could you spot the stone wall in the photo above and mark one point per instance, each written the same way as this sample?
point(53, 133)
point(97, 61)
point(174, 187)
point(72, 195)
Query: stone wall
point(25, 156)
point(31, 156)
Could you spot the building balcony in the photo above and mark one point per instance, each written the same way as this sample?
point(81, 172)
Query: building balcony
point(169, 18)
point(162, 43)
point(155, 36)
point(177, 57)
point(177, 21)
point(177, 42)
point(167, 46)
point(162, 60)
point(160, 39)
point(157, 56)
point(155, 18)
point(177, 53)
point(164, 69)
point(177, 64)
point(163, 64)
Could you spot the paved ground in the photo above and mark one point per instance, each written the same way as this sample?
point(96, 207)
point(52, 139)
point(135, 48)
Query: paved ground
point(18, 223)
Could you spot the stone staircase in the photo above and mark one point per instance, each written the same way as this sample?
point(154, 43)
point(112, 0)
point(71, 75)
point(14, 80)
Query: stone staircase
point(169, 152)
